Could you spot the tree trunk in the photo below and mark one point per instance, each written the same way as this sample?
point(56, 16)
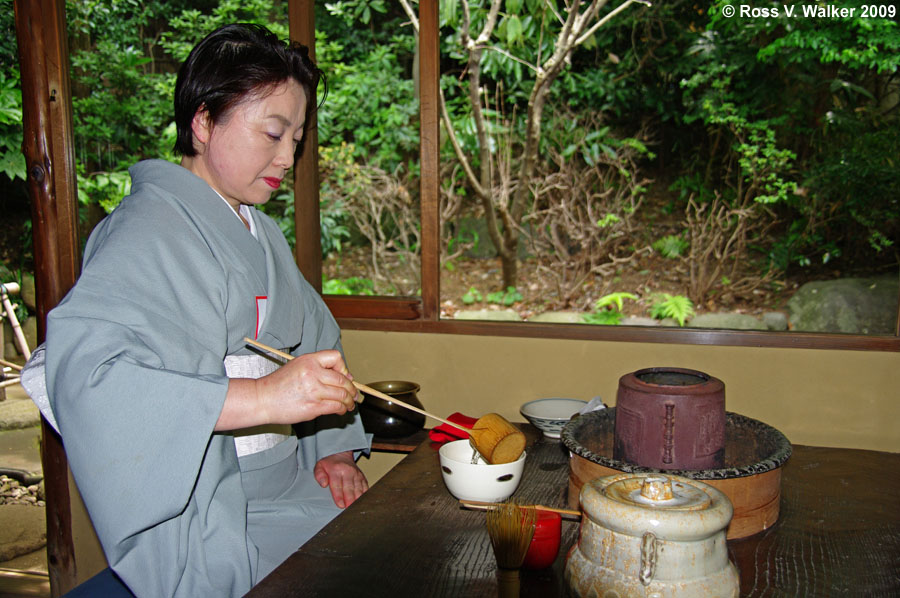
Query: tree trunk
point(509, 262)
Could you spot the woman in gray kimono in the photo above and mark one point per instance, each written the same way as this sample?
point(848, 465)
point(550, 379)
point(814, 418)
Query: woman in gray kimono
point(178, 434)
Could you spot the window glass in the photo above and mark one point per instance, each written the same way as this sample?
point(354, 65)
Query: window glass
point(670, 173)
point(368, 152)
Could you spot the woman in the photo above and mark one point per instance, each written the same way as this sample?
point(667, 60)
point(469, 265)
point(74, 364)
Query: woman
point(148, 375)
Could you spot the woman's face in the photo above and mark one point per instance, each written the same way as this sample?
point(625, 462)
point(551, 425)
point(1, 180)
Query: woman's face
point(245, 156)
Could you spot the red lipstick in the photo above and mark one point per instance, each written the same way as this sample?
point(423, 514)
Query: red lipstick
point(272, 182)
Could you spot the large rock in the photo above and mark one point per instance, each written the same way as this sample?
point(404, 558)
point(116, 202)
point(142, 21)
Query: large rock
point(850, 305)
point(558, 317)
point(24, 530)
point(506, 315)
point(727, 321)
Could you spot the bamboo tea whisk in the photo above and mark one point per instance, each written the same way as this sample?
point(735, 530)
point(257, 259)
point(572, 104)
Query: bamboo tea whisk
point(511, 529)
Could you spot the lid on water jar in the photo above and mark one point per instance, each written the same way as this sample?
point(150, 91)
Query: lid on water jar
point(670, 506)
point(658, 492)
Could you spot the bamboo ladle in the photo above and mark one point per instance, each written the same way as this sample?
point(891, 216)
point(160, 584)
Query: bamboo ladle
point(497, 440)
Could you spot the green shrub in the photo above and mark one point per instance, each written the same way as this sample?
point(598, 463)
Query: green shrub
point(471, 296)
point(348, 286)
point(507, 297)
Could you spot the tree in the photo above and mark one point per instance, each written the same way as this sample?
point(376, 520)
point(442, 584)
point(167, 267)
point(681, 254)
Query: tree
point(12, 162)
point(811, 111)
point(540, 39)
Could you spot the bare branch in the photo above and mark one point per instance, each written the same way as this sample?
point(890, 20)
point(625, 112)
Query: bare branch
point(607, 18)
point(552, 7)
point(489, 23)
point(413, 17)
point(511, 57)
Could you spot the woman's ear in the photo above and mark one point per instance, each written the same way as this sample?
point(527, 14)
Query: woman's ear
point(201, 127)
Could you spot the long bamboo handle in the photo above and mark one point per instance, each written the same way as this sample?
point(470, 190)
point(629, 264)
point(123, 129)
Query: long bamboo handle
point(486, 506)
point(10, 364)
point(364, 388)
point(5, 289)
point(10, 382)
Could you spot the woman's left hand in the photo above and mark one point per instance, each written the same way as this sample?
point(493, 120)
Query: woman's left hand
point(340, 473)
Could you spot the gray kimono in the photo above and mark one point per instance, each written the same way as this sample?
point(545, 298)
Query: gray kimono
point(172, 283)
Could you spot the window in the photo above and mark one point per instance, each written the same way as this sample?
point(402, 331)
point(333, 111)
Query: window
point(424, 312)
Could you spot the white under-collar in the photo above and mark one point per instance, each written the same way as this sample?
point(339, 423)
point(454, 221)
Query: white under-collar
point(245, 211)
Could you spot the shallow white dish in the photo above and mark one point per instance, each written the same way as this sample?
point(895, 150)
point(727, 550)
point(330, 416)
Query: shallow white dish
point(479, 481)
point(551, 415)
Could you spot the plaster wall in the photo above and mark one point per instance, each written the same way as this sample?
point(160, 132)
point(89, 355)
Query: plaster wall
point(848, 399)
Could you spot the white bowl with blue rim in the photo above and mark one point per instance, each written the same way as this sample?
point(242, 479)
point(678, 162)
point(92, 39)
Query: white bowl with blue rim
point(551, 415)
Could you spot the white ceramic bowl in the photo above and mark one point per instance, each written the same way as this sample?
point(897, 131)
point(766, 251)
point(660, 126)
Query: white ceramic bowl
point(551, 415)
point(480, 481)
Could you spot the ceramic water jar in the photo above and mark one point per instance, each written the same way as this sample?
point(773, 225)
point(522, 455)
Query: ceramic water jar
point(652, 535)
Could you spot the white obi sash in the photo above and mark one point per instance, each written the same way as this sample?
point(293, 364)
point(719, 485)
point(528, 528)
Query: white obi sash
point(258, 438)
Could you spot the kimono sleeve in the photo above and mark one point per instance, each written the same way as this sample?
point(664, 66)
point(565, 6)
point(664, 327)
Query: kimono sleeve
point(136, 381)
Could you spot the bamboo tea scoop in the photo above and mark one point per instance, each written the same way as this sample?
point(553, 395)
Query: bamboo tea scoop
point(497, 440)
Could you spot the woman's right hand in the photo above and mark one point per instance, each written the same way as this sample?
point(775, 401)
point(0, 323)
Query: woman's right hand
point(304, 388)
point(311, 385)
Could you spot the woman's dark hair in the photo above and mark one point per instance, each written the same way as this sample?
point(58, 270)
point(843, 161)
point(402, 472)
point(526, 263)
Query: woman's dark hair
point(232, 64)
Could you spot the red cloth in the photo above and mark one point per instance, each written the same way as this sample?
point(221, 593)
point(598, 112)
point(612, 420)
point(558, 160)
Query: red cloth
point(445, 433)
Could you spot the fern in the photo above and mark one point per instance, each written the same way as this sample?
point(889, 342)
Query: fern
point(677, 307)
point(616, 299)
point(607, 317)
point(671, 246)
point(608, 309)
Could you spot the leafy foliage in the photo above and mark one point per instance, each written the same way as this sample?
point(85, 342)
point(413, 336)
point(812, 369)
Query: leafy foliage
point(791, 123)
point(471, 296)
point(381, 128)
point(608, 309)
point(677, 307)
point(506, 297)
point(820, 87)
point(353, 285)
point(12, 161)
point(671, 246)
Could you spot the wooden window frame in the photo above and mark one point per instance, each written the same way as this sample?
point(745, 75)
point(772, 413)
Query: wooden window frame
point(422, 314)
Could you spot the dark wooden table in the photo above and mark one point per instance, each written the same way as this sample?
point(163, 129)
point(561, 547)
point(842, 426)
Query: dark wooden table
point(838, 533)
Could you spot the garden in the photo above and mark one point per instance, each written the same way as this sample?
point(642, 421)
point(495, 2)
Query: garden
point(624, 162)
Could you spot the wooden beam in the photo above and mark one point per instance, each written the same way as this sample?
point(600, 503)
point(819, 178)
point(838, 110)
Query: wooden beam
point(308, 250)
point(385, 308)
point(628, 334)
point(47, 145)
point(429, 147)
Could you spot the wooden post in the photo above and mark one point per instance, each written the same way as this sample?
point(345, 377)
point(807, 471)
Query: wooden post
point(429, 144)
point(308, 251)
point(47, 123)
